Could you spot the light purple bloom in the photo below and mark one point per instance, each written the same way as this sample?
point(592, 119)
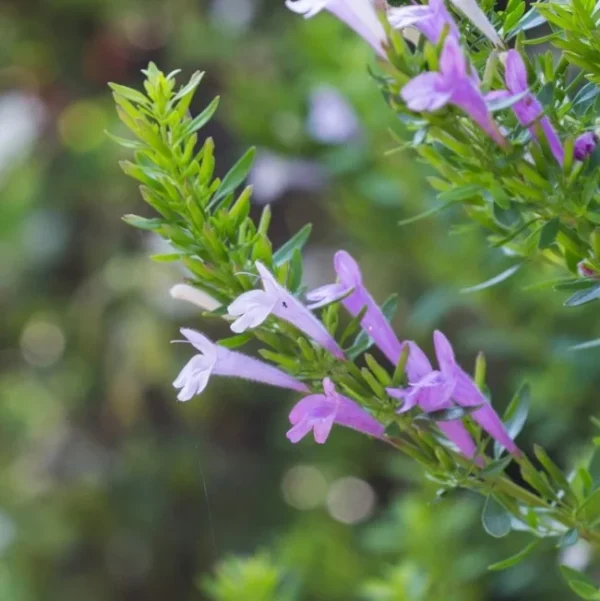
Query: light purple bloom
point(354, 297)
point(331, 118)
point(360, 15)
point(585, 145)
point(318, 412)
point(436, 389)
point(528, 110)
point(455, 83)
point(430, 19)
point(215, 360)
point(252, 308)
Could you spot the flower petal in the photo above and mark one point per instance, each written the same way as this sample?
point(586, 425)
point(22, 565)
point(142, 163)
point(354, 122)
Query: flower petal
point(444, 354)
point(515, 72)
point(426, 92)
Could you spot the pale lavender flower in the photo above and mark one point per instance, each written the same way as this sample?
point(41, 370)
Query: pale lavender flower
point(437, 389)
point(528, 109)
point(252, 308)
point(215, 360)
point(331, 119)
point(318, 412)
point(585, 145)
point(430, 19)
point(455, 83)
point(360, 15)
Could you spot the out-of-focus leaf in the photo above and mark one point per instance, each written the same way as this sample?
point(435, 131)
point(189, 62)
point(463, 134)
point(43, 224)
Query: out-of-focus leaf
point(494, 281)
point(509, 562)
point(495, 518)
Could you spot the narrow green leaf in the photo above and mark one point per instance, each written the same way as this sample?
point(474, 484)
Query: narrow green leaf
point(515, 559)
point(495, 518)
point(143, 223)
point(200, 120)
point(515, 415)
point(447, 415)
point(130, 94)
point(236, 175)
point(425, 214)
point(236, 341)
point(297, 241)
point(553, 470)
point(583, 296)
point(493, 281)
point(497, 466)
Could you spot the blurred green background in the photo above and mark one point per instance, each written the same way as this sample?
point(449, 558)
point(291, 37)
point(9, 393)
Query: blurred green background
point(110, 489)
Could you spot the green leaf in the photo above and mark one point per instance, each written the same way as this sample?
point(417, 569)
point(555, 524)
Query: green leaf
point(493, 281)
point(504, 103)
point(553, 470)
point(236, 341)
point(496, 466)
point(583, 296)
point(190, 86)
point(130, 94)
point(515, 559)
point(581, 584)
point(143, 223)
point(460, 193)
point(548, 233)
point(200, 120)
point(297, 241)
point(236, 175)
point(568, 539)
point(590, 510)
point(495, 518)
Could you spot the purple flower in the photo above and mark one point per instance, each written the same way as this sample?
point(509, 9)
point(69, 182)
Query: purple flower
point(219, 361)
point(528, 110)
point(430, 19)
point(455, 83)
point(473, 12)
point(585, 145)
point(318, 412)
point(252, 308)
point(436, 389)
point(359, 15)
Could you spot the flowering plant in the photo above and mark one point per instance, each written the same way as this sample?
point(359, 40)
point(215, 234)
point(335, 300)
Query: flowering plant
point(521, 167)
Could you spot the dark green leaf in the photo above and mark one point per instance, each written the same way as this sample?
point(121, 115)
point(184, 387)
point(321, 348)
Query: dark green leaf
point(236, 341)
point(446, 415)
point(548, 233)
point(515, 559)
point(580, 583)
point(495, 518)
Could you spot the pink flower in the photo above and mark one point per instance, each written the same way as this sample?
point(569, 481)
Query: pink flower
point(360, 15)
point(252, 308)
point(455, 83)
point(437, 389)
point(527, 110)
point(430, 19)
point(219, 361)
point(318, 412)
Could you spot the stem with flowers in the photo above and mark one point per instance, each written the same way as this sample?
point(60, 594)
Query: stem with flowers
point(441, 418)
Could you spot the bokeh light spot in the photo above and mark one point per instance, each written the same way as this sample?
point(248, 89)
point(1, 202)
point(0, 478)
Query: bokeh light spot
point(304, 487)
point(350, 500)
point(81, 126)
point(42, 343)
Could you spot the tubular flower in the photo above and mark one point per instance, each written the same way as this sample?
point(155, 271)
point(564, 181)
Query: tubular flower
point(455, 83)
point(252, 308)
point(473, 12)
point(318, 412)
point(359, 15)
point(437, 389)
point(585, 145)
point(527, 110)
point(219, 361)
point(430, 19)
